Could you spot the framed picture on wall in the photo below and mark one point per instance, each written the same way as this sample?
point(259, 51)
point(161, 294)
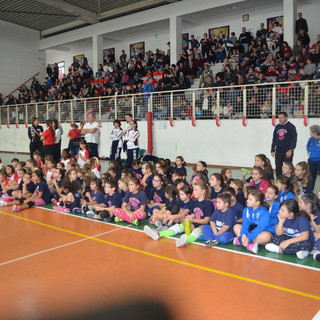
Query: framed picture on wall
point(223, 32)
point(109, 55)
point(135, 48)
point(185, 41)
point(80, 58)
point(273, 29)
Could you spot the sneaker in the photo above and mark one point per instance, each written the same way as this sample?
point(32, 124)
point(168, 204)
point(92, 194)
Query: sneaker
point(9, 199)
point(158, 223)
point(90, 214)
point(272, 247)
point(57, 208)
point(236, 241)
point(117, 219)
point(316, 256)
point(302, 254)
point(252, 247)
point(135, 222)
point(55, 202)
point(64, 209)
point(77, 210)
point(211, 243)
point(3, 203)
point(15, 208)
point(153, 234)
point(182, 241)
point(162, 228)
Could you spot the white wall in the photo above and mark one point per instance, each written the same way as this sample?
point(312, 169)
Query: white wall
point(20, 57)
point(231, 144)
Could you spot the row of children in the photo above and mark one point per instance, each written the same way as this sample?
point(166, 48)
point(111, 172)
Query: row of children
point(218, 212)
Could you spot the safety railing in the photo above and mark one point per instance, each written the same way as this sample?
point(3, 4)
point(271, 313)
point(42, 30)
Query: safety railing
point(298, 99)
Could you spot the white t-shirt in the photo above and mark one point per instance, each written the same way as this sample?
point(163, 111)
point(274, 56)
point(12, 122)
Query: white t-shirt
point(92, 137)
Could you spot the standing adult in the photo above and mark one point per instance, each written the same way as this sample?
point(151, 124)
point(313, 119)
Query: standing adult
point(245, 38)
point(48, 137)
point(91, 132)
point(313, 149)
point(34, 133)
point(284, 142)
point(148, 88)
point(301, 23)
point(132, 137)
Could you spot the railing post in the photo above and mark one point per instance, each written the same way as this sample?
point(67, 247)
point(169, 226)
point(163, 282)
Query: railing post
point(115, 107)
point(193, 117)
point(47, 110)
point(99, 121)
point(306, 104)
point(218, 109)
point(26, 119)
point(274, 101)
point(59, 111)
point(1, 117)
point(85, 110)
point(132, 106)
point(17, 117)
point(150, 102)
point(171, 109)
point(37, 110)
point(149, 127)
point(244, 116)
point(71, 112)
point(8, 117)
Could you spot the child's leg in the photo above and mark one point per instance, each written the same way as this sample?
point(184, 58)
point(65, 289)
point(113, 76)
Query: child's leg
point(237, 229)
point(263, 238)
point(194, 235)
point(122, 215)
point(176, 229)
point(298, 246)
point(139, 215)
point(207, 233)
point(39, 202)
point(225, 237)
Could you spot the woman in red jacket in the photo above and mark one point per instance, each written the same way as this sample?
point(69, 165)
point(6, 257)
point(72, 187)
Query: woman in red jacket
point(48, 138)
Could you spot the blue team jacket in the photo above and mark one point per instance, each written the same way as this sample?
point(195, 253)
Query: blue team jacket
point(313, 149)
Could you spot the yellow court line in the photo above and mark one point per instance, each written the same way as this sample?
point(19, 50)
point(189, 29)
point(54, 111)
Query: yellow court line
point(227, 274)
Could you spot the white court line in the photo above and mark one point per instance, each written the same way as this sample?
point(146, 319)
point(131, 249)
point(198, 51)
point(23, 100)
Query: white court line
point(55, 248)
point(317, 316)
point(196, 243)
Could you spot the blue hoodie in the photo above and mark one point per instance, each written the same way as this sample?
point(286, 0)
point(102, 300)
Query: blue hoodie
point(313, 149)
point(260, 217)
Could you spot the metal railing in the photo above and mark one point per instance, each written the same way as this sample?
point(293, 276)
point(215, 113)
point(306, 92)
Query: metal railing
point(298, 99)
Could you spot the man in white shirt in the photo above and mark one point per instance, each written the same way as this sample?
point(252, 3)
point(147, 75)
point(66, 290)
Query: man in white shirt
point(91, 132)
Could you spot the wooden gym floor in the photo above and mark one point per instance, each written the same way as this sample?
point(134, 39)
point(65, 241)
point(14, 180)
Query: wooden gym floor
point(53, 265)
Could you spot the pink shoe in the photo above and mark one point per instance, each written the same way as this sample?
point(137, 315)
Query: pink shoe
point(15, 208)
point(9, 199)
point(252, 247)
point(236, 241)
point(57, 208)
point(64, 209)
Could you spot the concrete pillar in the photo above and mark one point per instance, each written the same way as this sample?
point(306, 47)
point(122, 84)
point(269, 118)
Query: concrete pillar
point(175, 39)
point(289, 21)
point(97, 52)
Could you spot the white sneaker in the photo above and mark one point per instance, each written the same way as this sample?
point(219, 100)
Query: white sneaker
point(302, 254)
point(182, 241)
point(316, 256)
point(153, 234)
point(272, 247)
point(3, 203)
point(90, 214)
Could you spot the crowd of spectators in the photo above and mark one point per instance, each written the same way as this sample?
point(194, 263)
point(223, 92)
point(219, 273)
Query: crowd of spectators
point(247, 59)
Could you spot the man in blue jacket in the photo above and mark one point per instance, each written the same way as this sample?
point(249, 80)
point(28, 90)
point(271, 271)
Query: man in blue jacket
point(284, 142)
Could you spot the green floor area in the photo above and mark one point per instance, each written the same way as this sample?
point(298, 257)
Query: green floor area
point(262, 251)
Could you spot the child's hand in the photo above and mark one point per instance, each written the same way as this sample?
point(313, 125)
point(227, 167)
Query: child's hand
point(245, 240)
point(312, 216)
point(88, 194)
point(191, 217)
point(283, 245)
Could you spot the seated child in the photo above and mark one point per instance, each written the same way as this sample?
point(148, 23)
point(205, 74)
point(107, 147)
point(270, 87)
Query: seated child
point(222, 221)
